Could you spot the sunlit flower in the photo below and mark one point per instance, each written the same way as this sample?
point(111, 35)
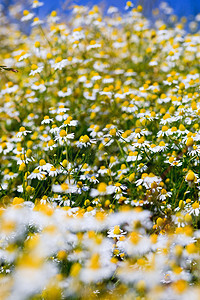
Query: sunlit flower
point(63, 136)
point(115, 232)
point(85, 141)
point(37, 174)
point(35, 69)
point(53, 171)
point(195, 209)
point(47, 120)
point(37, 4)
point(36, 22)
point(23, 132)
point(27, 16)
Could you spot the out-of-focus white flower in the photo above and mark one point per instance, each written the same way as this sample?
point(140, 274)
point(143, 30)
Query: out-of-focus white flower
point(23, 132)
point(37, 4)
point(27, 16)
point(36, 70)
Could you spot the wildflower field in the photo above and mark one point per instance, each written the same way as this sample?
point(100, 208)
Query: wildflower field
point(99, 157)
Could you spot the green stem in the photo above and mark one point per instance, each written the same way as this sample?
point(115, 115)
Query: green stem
point(45, 36)
point(179, 191)
point(122, 152)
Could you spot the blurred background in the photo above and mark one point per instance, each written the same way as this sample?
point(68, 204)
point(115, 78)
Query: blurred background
point(180, 7)
point(187, 8)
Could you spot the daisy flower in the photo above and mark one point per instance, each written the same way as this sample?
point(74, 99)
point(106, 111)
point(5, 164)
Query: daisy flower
point(147, 180)
point(85, 141)
point(164, 195)
point(23, 132)
point(53, 172)
point(37, 4)
point(115, 232)
point(27, 16)
point(35, 69)
point(43, 166)
point(93, 45)
point(63, 136)
point(69, 122)
point(65, 92)
point(36, 22)
point(37, 174)
point(47, 120)
point(195, 209)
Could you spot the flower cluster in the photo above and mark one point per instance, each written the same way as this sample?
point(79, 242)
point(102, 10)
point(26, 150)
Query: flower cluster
point(99, 156)
point(67, 253)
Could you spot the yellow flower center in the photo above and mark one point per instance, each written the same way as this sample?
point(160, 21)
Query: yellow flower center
point(51, 143)
point(102, 187)
point(34, 67)
point(66, 122)
point(53, 169)
point(84, 139)
point(95, 262)
point(134, 237)
point(190, 176)
point(63, 133)
point(195, 205)
point(22, 129)
point(64, 186)
point(25, 12)
point(164, 128)
point(189, 142)
point(42, 162)
point(116, 230)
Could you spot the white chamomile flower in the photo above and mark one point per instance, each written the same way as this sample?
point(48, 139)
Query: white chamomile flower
point(27, 16)
point(65, 92)
point(37, 174)
point(23, 132)
point(37, 4)
point(195, 209)
point(53, 172)
point(115, 232)
point(36, 22)
point(35, 70)
point(85, 141)
point(47, 120)
point(63, 136)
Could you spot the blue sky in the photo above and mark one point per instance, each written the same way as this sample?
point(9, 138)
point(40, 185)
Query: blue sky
point(181, 7)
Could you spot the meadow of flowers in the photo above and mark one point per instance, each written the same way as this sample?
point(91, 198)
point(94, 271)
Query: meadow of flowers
point(99, 156)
